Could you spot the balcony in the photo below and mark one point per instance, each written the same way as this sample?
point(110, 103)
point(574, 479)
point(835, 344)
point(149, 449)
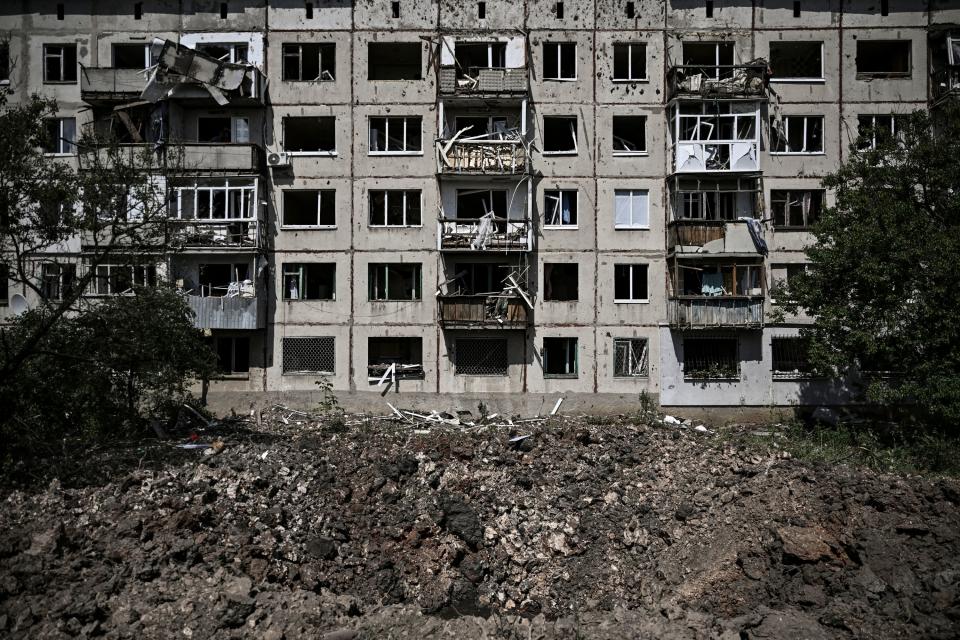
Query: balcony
point(484, 234)
point(242, 235)
point(216, 157)
point(481, 157)
point(106, 84)
point(709, 312)
point(716, 82)
point(945, 83)
point(223, 312)
point(484, 82)
point(711, 237)
point(717, 156)
point(498, 311)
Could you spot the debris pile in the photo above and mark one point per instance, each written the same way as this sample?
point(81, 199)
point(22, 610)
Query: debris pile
point(288, 524)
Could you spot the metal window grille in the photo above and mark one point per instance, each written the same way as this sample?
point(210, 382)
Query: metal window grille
point(790, 357)
point(630, 358)
point(309, 355)
point(711, 359)
point(480, 357)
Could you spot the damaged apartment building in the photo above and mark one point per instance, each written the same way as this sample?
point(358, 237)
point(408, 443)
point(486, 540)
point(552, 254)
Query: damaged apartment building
point(476, 198)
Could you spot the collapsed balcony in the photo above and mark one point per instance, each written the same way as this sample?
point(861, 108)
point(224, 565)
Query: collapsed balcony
point(719, 81)
point(481, 157)
point(488, 219)
point(489, 69)
point(711, 293)
point(484, 295)
point(221, 295)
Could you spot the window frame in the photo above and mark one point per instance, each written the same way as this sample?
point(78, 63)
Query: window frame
point(386, 266)
point(632, 226)
point(320, 196)
point(567, 341)
point(143, 275)
point(786, 196)
point(576, 135)
point(624, 153)
point(869, 75)
point(386, 135)
point(319, 153)
point(247, 192)
point(630, 46)
point(895, 120)
point(61, 142)
point(298, 270)
point(786, 137)
point(632, 267)
point(800, 80)
point(386, 207)
point(63, 68)
point(284, 55)
point(646, 360)
point(233, 374)
point(559, 55)
point(560, 193)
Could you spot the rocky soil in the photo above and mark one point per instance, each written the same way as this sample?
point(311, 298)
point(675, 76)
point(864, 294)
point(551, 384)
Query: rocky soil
point(380, 529)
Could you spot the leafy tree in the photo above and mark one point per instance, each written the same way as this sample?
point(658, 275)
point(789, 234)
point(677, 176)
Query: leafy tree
point(884, 282)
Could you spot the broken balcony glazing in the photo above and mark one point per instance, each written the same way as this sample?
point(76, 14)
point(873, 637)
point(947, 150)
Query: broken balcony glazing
point(495, 67)
point(716, 136)
point(706, 293)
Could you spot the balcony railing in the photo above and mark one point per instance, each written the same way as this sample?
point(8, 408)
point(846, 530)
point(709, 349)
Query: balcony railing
point(222, 312)
point(711, 156)
point(216, 157)
point(484, 82)
point(483, 312)
point(945, 81)
point(718, 81)
point(710, 237)
point(481, 157)
point(108, 83)
point(485, 234)
point(703, 312)
point(220, 234)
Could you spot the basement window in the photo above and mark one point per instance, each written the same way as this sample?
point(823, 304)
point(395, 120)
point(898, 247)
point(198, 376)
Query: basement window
point(131, 56)
point(883, 58)
point(309, 281)
point(233, 354)
point(61, 136)
point(394, 281)
point(309, 355)
point(711, 359)
point(559, 134)
point(630, 358)
point(560, 281)
point(309, 61)
point(405, 354)
point(395, 208)
point(480, 357)
point(796, 61)
point(631, 209)
point(314, 134)
point(560, 208)
point(711, 59)
point(223, 129)
point(796, 209)
point(215, 279)
point(630, 283)
point(559, 61)
point(309, 208)
point(798, 135)
point(396, 135)
point(629, 61)
point(874, 130)
point(394, 61)
point(629, 135)
point(475, 203)
point(790, 358)
point(559, 357)
point(56, 280)
point(60, 63)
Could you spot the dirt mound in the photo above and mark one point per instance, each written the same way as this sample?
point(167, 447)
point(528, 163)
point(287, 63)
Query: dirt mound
point(606, 531)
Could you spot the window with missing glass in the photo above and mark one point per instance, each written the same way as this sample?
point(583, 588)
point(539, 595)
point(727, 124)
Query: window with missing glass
point(309, 280)
point(630, 283)
point(61, 136)
point(796, 61)
point(309, 355)
point(796, 209)
point(395, 208)
point(60, 63)
point(309, 208)
point(791, 357)
point(480, 357)
point(394, 281)
point(630, 358)
point(560, 208)
point(560, 281)
point(396, 134)
point(310, 134)
point(879, 58)
point(711, 359)
point(875, 130)
point(309, 61)
point(559, 61)
point(629, 61)
point(797, 135)
point(559, 357)
point(629, 135)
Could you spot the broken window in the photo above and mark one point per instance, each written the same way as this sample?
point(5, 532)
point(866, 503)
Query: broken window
point(480, 357)
point(227, 200)
point(60, 62)
point(395, 208)
point(233, 354)
point(472, 56)
point(223, 130)
point(131, 56)
point(394, 281)
point(711, 359)
point(309, 208)
point(560, 281)
point(309, 355)
point(796, 209)
point(883, 57)
point(711, 59)
point(874, 130)
point(709, 205)
point(629, 61)
point(790, 357)
point(405, 354)
point(235, 52)
point(559, 61)
point(630, 283)
point(475, 203)
point(309, 61)
point(481, 125)
point(219, 279)
point(630, 358)
point(559, 357)
point(629, 135)
point(313, 134)
point(61, 135)
point(560, 208)
point(309, 281)
point(631, 209)
point(559, 134)
point(394, 61)
point(4, 61)
point(799, 134)
point(722, 280)
point(796, 60)
point(396, 134)
point(114, 279)
point(56, 280)
point(477, 278)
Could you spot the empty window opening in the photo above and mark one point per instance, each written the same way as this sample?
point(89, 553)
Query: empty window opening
point(309, 208)
point(631, 10)
point(798, 134)
point(711, 59)
point(138, 11)
point(473, 56)
point(711, 359)
point(559, 61)
point(480, 357)
point(883, 57)
point(395, 208)
point(796, 209)
point(558, 9)
point(630, 358)
point(631, 209)
point(796, 8)
point(629, 61)
point(230, 200)
point(60, 63)
point(559, 134)
point(223, 10)
point(61, 135)
point(56, 280)
point(312, 134)
point(233, 354)
point(721, 280)
point(709, 8)
point(796, 60)
point(629, 135)
point(223, 129)
point(215, 279)
point(4, 61)
point(560, 208)
point(309, 281)
point(478, 278)
point(395, 9)
point(394, 281)
point(4, 284)
point(397, 134)
point(630, 283)
point(714, 205)
point(131, 56)
point(60, 11)
point(482, 10)
point(394, 61)
point(309, 61)
point(791, 357)
point(116, 279)
point(405, 355)
point(559, 357)
point(481, 125)
point(875, 130)
point(309, 11)
point(560, 281)
point(235, 52)
point(309, 355)
point(475, 203)
point(884, 7)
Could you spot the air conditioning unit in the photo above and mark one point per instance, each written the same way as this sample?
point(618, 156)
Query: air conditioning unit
point(278, 159)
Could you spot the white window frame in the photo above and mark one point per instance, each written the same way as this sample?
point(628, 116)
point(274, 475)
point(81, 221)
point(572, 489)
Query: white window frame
point(558, 46)
point(633, 267)
point(239, 128)
point(231, 46)
point(576, 134)
point(630, 193)
point(62, 57)
point(821, 79)
point(622, 153)
point(547, 209)
point(297, 270)
point(147, 59)
point(283, 214)
point(406, 193)
point(630, 355)
point(893, 118)
point(61, 143)
point(244, 215)
point(630, 45)
point(138, 276)
point(385, 266)
point(299, 56)
point(569, 342)
point(386, 136)
point(786, 135)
